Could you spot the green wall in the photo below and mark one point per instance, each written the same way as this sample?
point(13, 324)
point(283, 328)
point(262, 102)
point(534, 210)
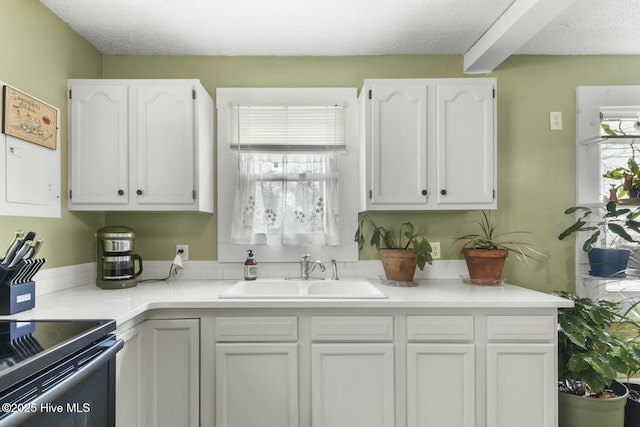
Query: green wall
point(536, 166)
point(39, 54)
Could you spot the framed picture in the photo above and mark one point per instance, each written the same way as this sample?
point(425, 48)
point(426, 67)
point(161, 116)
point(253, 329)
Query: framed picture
point(28, 118)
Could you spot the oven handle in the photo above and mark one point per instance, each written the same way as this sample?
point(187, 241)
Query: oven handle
point(67, 384)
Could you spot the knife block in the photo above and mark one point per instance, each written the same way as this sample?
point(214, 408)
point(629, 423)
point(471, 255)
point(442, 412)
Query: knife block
point(18, 297)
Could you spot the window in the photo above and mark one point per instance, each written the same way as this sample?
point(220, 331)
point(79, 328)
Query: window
point(287, 173)
point(606, 138)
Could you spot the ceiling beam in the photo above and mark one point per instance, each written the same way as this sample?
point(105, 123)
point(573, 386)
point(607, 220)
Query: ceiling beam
point(518, 24)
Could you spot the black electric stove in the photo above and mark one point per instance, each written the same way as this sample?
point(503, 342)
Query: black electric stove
point(57, 364)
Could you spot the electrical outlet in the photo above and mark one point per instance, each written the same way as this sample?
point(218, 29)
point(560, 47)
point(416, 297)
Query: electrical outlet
point(555, 120)
point(435, 250)
point(185, 251)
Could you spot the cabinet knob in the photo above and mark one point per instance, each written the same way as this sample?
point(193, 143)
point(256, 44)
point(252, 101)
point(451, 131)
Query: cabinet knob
point(443, 192)
point(424, 192)
point(139, 192)
point(120, 192)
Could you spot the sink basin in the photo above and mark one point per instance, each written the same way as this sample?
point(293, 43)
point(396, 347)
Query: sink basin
point(303, 289)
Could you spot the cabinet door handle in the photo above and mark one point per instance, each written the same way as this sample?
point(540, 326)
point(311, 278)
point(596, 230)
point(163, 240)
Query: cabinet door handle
point(424, 192)
point(120, 192)
point(443, 192)
point(139, 192)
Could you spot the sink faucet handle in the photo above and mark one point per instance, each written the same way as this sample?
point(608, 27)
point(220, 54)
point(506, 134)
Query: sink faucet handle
point(334, 267)
point(305, 257)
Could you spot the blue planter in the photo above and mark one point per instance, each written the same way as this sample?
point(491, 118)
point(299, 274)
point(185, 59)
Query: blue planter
point(608, 262)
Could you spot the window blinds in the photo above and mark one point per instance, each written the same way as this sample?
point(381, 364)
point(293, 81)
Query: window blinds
point(288, 128)
point(620, 122)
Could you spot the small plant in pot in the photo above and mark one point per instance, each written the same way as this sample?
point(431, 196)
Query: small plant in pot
point(590, 356)
point(605, 261)
point(400, 252)
point(485, 253)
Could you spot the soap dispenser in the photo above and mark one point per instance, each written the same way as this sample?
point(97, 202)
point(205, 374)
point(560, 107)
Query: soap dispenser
point(250, 267)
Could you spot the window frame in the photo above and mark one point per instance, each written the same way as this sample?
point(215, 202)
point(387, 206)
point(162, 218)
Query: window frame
point(348, 169)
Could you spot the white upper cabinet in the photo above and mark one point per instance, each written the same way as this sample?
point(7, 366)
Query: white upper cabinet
point(428, 144)
point(140, 145)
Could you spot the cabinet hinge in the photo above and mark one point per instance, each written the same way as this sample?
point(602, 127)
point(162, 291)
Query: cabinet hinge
point(69, 93)
point(193, 93)
point(494, 194)
point(370, 94)
point(370, 194)
point(70, 194)
point(194, 194)
point(494, 93)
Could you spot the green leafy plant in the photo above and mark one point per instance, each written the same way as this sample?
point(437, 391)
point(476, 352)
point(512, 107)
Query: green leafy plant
point(590, 351)
point(630, 175)
point(406, 237)
point(618, 221)
point(489, 238)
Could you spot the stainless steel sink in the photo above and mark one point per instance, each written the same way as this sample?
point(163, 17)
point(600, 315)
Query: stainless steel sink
point(303, 289)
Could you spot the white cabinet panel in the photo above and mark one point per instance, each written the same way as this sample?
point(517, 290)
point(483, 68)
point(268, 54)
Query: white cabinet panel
point(257, 385)
point(509, 403)
point(171, 372)
point(99, 159)
point(398, 129)
point(129, 380)
point(441, 385)
point(352, 385)
point(465, 145)
point(165, 149)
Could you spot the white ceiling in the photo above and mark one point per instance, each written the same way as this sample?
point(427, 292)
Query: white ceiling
point(485, 31)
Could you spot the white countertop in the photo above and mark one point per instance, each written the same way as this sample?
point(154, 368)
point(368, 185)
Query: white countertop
point(92, 302)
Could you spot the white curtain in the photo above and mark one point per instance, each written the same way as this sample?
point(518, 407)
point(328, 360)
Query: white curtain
point(286, 199)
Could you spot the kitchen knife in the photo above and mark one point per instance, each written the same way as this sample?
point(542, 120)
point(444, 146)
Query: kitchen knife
point(14, 242)
point(19, 256)
point(23, 247)
point(36, 247)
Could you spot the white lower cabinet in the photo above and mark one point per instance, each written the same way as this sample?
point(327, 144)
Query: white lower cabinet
point(441, 383)
point(158, 374)
point(257, 384)
point(352, 385)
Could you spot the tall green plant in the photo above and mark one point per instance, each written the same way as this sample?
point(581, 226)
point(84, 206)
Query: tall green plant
point(590, 352)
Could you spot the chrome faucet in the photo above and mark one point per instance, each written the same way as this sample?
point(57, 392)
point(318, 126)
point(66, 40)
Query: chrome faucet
point(306, 267)
point(334, 267)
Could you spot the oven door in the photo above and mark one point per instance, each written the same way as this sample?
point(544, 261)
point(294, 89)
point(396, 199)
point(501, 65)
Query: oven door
point(77, 392)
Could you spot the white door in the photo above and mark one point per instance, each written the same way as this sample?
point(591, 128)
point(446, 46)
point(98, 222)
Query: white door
point(465, 145)
point(352, 385)
point(98, 137)
point(519, 380)
point(171, 372)
point(398, 144)
point(257, 385)
point(441, 385)
point(164, 154)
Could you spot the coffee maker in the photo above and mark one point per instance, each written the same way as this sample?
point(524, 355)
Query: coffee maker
point(117, 266)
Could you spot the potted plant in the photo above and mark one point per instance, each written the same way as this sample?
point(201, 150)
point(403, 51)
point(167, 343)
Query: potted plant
point(400, 252)
point(590, 356)
point(485, 252)
point(607, 261)
point(629, 175)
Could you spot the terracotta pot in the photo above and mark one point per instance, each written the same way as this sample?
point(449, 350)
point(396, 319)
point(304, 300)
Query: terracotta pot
point(399, 264)
point(485, 265)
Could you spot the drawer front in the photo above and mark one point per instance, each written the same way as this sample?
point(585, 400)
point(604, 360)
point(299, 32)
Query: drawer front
point(521, 328)
point(352, 328)
point(256, 329)
point(440, 328)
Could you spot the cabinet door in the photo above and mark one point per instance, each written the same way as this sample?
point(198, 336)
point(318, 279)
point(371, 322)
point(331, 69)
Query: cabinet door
point(465, 146)
point(129, 391)
point(257, 385)
point(352, 385)
point(171, 372)
point(521, 385)
point(441, 385)
point(98, 137)
point(398, 145)
point(164, 129)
